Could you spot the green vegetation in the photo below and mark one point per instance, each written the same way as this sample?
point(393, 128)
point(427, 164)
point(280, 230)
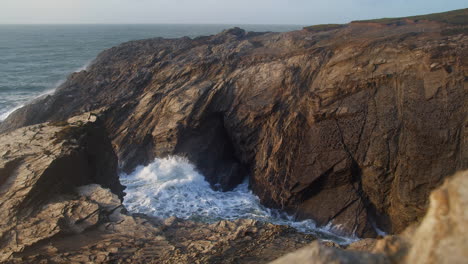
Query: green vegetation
point(456, 17)
point(324, 27)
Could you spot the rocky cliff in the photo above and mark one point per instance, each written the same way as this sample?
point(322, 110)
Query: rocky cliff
point(54, 208)
point(40, 168)
point(351, 125)
point(441, 237)
point(50, 216)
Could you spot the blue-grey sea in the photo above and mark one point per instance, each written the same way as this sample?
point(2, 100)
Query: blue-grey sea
point(35, 59)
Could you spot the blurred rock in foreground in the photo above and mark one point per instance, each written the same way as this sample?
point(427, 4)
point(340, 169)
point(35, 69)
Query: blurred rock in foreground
point(441, 237)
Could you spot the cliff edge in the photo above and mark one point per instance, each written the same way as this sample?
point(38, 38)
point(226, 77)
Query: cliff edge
point(352, 125)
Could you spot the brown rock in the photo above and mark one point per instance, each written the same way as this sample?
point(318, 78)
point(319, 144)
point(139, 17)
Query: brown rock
point(316, 253)
point(442, 236)
point(42, 167)
point(350, 126)
point(50, 216)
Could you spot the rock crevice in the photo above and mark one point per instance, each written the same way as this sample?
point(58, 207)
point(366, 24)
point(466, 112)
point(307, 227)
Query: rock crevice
point(356, 123)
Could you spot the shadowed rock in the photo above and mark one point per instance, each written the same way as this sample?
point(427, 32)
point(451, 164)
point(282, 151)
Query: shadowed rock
point(353, 126)
point(54, 208)
point(40, 168)
point(441, 237)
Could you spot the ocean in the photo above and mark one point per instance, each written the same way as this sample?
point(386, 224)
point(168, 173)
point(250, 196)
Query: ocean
point(172, 186)
point(35, 59)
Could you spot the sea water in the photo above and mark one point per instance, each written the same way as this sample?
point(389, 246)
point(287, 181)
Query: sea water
point(35, 59)
point(173, 187)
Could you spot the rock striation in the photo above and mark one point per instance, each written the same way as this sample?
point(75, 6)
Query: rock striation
point(40, 168)
point(352, 126)
point(60, 202)
point(441, 237)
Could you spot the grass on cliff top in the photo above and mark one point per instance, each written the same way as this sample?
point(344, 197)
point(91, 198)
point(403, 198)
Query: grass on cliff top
point(324, 27)
point(456, 17)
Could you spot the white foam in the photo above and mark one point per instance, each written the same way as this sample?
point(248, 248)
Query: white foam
point(3, 116)
point(172, 187)
point(84, 67)
point(34, 96)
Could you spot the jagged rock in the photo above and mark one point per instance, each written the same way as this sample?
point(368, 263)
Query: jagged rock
point(441, 237)
point(317, 253)
point(40, 169)
point(140, 239)
point(350, 126)
point(54, 209)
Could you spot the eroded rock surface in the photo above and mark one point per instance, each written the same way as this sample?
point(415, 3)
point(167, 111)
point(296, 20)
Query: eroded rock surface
point(54, 209)
point(317, 253)
point(139, 239)
point(105, 234)
point(441, 237)
point(353, 126)
point(40, 168)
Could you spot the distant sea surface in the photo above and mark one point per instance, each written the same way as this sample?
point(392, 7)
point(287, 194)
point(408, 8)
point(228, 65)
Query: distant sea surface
point(35, 59)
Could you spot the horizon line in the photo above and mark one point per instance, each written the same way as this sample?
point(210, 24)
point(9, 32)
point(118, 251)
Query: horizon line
point(182, 24)
point(211, 23)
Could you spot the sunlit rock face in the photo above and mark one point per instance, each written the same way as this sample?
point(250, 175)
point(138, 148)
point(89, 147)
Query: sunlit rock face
point(41, 169)
point(352, 126)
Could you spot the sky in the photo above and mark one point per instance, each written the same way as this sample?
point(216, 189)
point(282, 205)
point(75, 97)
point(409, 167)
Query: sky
point(300, 12)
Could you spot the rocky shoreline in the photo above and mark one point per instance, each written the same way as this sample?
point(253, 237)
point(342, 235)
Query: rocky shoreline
point(52, 214)
point(78, 221)
point(353, 125)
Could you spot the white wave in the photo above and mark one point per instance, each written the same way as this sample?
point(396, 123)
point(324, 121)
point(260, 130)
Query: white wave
point(3, 116)
point(4, 113)
point(172, 187)
point(34, 96)
point(84, 67)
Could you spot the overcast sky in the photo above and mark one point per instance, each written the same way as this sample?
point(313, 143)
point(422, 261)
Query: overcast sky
point(213, 11)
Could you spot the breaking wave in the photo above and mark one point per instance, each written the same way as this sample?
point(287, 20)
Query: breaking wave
point(20, 101)
point(172, 187)
point(16, 102)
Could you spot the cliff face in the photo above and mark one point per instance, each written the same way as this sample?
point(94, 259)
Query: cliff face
point(41, 167)
point(54, 211)
point(353, 126)
point(439, 238)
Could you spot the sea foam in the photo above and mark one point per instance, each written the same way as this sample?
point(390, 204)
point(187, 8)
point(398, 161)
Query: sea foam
point(173, 187)
point(5, 113)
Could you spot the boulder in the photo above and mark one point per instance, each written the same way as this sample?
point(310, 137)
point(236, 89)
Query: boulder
point(41, 167)
point(441, 237)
